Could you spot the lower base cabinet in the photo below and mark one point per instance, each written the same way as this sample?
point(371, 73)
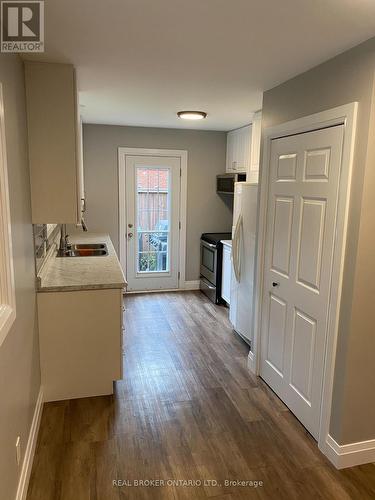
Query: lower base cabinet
point(80, 335)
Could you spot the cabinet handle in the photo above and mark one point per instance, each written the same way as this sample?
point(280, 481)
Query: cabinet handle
point(83, 205)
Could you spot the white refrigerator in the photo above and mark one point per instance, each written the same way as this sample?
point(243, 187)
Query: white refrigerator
point(241, 312)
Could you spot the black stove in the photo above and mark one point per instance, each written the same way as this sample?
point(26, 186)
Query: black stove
point(215, 238)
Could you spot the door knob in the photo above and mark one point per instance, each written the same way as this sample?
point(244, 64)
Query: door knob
point(130, 225)
point(275, 283)
point(130, 235)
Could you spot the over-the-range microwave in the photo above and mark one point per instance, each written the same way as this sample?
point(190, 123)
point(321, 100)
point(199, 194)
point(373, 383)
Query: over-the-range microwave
point(225, 182)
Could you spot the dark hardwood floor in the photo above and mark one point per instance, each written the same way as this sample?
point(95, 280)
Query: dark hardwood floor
point(187, 410)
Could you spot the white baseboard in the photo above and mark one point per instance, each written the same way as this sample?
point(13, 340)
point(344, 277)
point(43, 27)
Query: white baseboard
point(251, 365)
point(30, 449)
point(186, 285)
point(192, 285)
point(349, 455)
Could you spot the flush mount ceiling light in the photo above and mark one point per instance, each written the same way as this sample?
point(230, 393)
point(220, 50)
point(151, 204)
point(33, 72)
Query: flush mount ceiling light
point(192, 115)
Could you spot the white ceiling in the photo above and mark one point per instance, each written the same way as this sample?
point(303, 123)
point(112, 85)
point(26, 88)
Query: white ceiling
point(141, 61)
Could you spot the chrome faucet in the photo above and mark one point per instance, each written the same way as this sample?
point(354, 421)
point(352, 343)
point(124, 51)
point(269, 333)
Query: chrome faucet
point(64, 242)
point(64, 245)
point(83, 224)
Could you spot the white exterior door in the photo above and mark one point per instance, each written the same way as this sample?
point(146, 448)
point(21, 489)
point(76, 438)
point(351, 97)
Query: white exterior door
point(152, 219)
point(304, 179)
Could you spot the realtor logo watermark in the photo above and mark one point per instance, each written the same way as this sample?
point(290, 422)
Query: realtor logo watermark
point(22, 26)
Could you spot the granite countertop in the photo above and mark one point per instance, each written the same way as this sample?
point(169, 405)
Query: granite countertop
point(228, 243)
point(82, 273)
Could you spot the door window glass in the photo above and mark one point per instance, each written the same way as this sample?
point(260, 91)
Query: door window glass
point(153, 219)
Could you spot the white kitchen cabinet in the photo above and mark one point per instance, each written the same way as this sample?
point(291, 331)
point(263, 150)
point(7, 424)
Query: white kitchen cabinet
point(80, 336)
point(226, 273)
point(239, 149)
point(231, 146)
point(55, 147)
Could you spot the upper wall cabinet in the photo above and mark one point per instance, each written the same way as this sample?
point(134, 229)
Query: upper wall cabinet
point(239, 149)
point(55, 147)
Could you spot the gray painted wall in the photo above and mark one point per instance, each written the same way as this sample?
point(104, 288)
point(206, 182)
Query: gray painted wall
point(346, 78)
point(19, 354)
point(206, 211)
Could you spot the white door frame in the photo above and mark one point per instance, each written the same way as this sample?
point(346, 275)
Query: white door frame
point(7, 286)
point(347, 115)
point(176, 153)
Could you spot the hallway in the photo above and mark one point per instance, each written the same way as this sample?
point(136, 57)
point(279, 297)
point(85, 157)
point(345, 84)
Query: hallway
point(187, 409)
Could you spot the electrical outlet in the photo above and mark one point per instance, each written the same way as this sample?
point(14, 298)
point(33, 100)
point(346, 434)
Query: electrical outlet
point(18, 450)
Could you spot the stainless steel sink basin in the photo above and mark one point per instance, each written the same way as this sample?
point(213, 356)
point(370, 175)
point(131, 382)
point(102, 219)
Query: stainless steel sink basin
point(78, 246)
point(85, 250)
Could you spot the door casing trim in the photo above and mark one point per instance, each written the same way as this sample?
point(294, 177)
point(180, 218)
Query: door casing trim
point(342, 115)
point(176, 153)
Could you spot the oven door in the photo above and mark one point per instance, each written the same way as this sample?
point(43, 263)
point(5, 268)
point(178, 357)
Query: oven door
point(209, 261)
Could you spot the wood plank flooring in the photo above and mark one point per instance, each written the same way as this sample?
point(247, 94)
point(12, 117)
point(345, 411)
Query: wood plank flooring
point(186, 410)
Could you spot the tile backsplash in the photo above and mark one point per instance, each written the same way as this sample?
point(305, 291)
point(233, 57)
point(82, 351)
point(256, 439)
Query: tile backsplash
point(44, 234)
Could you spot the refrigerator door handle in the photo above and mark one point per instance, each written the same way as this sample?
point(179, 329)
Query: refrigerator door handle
point(236, 249)
point(240, 230)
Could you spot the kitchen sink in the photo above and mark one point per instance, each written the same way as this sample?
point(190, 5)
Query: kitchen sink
point(85, 250)
point(91, 246)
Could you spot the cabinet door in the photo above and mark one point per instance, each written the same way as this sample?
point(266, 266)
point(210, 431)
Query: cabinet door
point(81, 199)
point(230, 151)
point(239, 149)
point(52, 136)
point(226, 274)
point(236, 151)
point(80, 342)
point(247, 147)
point(244, 150)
